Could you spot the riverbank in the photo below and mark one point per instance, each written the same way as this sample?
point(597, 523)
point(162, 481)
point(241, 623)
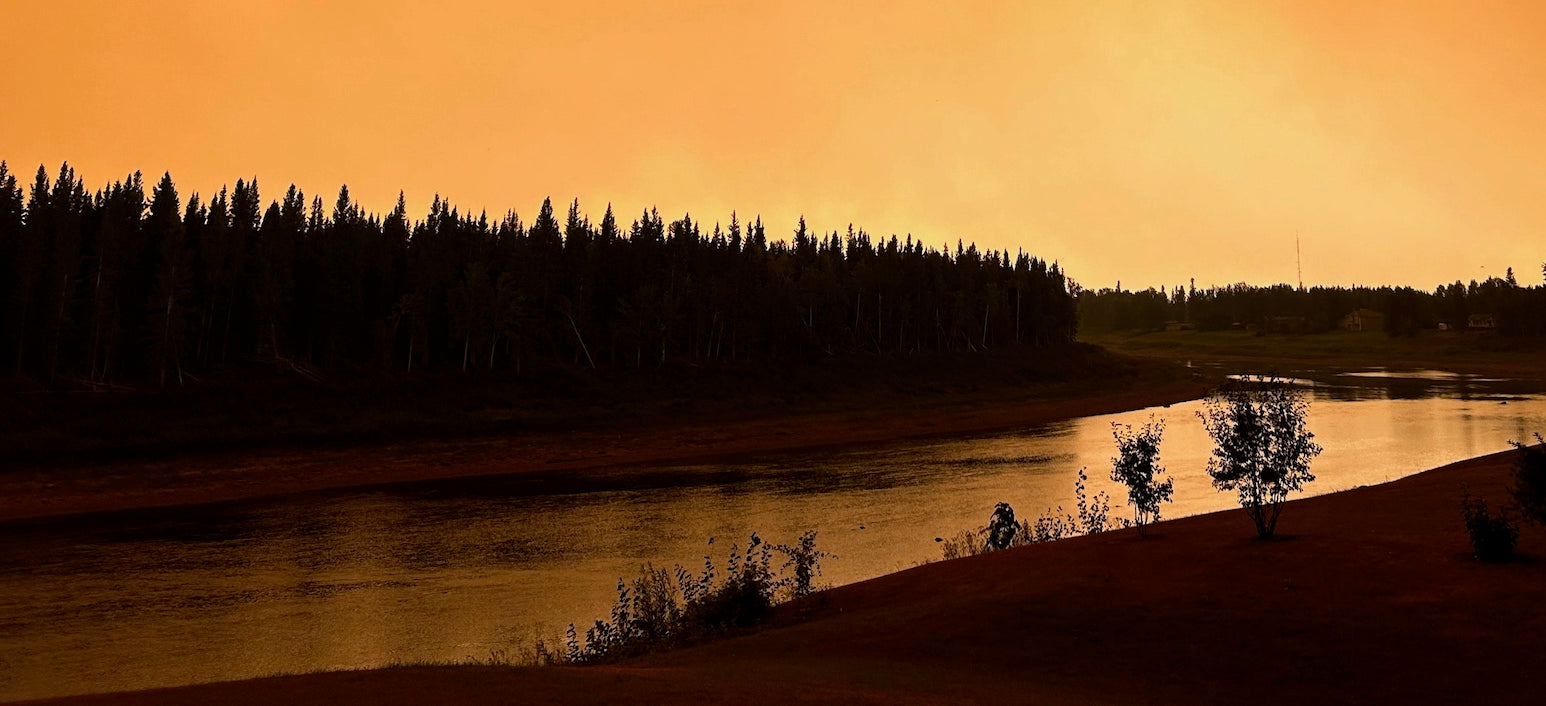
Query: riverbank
point(1369, 595)
point(880, 406)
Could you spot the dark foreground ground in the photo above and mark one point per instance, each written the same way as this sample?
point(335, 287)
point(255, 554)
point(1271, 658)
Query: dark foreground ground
point(1370, 596)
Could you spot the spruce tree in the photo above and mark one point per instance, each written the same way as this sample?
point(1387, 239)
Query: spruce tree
point(166, 304)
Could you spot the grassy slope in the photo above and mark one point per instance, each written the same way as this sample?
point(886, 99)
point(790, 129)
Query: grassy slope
point(1369, 597)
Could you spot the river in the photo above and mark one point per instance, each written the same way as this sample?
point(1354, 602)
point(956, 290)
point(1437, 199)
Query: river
point(469, 569)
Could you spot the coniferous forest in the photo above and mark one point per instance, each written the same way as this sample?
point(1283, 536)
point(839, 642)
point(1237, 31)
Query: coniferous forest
point(1500, 304)
point(143, 286)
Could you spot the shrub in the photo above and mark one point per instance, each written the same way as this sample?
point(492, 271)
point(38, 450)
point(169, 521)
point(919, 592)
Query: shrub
point(1262, 449)
point(967, 542)
point(805, 561)
point(1094, 513)
point(743, 598)
point(662, 609)
point(1136, 465)
point(1051, 527)
point(1003, 531)
point(1002, 528)
point(1492, 536)
point(1530, 479)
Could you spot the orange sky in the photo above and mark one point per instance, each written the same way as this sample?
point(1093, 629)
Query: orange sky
point(1149, 142)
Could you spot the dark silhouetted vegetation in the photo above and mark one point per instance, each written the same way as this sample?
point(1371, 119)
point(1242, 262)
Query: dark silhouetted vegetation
point(1091, 515)
point(1001, 529)
point(663, 609)
point(223, 414)
point(1494, 304)
point(117, 286)
point(1262, 449)
point(1529, 489)
point(1136, 465)
point(803, 562)
point(1492, 536)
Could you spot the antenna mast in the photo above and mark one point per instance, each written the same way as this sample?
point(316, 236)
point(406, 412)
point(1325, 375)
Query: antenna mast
point(1298, 262)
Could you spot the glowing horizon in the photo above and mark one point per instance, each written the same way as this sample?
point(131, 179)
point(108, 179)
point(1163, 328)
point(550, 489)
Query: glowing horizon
point(1150, 143)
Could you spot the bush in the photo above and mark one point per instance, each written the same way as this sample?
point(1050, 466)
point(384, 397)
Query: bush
point(1492, 536)
point(1530, 480)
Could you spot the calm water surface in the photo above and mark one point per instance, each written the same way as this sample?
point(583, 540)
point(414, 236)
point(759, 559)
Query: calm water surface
point(458, 570)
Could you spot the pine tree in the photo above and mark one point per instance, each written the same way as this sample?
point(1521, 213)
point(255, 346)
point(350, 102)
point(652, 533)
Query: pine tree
point(610, 234)
point(67, 204)
point(544, 231)
point(166, 305)
point(12, 236)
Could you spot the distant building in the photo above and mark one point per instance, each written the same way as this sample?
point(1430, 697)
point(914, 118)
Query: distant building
point(1286, 324)
point(1363, 320)
point(1483, 321)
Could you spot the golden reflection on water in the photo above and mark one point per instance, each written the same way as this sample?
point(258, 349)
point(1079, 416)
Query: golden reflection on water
point(452, 571)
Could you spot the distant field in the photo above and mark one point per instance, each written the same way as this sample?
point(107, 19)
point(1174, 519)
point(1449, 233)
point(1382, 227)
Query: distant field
point(1457, 351)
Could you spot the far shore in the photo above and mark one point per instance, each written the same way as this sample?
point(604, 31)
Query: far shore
point(1367, 596)
point(208, 477)
point(68, 454)
point(1464, 352)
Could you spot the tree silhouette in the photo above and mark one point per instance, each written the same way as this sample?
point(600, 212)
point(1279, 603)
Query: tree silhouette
point(118, 287)
point(1262, 449)
point(1136, 465)
point(1517, 310)
point(167, 302)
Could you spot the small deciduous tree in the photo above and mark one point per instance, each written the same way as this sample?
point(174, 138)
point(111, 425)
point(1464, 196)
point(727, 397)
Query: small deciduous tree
point(1262, 448)
point(1136, 465)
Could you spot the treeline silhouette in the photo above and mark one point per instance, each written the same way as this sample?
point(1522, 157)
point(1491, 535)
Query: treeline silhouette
point(120, 286)
point(1499, 304)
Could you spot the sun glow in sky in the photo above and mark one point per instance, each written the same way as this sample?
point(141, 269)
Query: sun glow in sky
point(1150, 142)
